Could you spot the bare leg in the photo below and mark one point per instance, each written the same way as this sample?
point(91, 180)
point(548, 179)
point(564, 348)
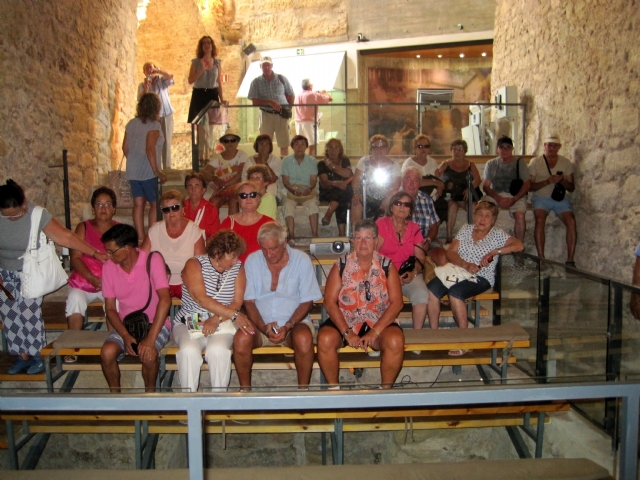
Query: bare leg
point(233, 205)
point(301, 341)
point(313, 222)
point(451, 219)
point(108, 360)
point(519, 226)
point(312, 148)
point(418, 314)
point(342, 228)
point(459, 309)
point(291, 227)
point(329, 341)
point(392, 349)
point(538, 232)
point(138, 216)
point(433, 310)
point(327, 216)
point(75, 321)
point(569, 220)
point(153, 214)
point(150, 372)
point(243, 345)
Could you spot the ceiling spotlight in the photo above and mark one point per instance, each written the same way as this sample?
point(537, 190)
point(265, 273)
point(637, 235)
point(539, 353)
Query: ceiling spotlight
point(462, 55)
point(440, 56)
point(417, 56)
point(484, 54)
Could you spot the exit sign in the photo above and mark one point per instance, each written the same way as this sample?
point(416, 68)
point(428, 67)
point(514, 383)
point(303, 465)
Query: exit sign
point(300, 51)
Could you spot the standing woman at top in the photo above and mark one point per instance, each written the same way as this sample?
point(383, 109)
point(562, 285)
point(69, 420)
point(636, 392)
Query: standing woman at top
point(22, 317)
point(204, 75)
point(142, 145)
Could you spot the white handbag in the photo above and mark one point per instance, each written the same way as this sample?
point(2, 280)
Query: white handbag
point(451, 274)
point(42, 270)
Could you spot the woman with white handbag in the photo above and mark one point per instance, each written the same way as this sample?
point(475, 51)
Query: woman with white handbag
point(29, 269)
point(212, 295)
point(473, 256)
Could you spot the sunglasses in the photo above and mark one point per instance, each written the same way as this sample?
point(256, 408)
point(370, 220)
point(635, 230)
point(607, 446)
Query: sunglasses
point(367, 290)
point(229, 140)
point(171, 208)
point(244, 195)
point(423, 146)
point(398, 203)
point(103, 205)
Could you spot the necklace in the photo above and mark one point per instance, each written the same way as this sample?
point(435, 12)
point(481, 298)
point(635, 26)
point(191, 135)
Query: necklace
point(400, 231)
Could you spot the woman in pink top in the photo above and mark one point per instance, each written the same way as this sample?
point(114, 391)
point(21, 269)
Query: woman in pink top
point(177, 238)
point(400, 238)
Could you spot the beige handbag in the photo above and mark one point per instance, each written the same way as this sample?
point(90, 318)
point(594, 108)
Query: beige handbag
point(297, 199)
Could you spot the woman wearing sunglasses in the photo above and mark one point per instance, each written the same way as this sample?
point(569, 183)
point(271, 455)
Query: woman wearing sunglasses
point(363, 298)
point(248, 221)
point(224, 171)
point(176, 237)
point(400, 239)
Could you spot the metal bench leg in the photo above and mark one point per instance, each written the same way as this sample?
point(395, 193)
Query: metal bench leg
point(323, 437)
point(138, 443)
point(11, 444)
point(35, 452)
point(540, 434)
point(337, 442)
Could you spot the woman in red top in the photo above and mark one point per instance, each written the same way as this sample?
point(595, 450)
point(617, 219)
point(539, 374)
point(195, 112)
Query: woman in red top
point(196, 208)
point(248, 221)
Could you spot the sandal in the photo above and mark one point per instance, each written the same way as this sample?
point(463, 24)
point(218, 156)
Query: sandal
point(458, 353)
point(570, 263)
point(71, 359)
point(325, 222)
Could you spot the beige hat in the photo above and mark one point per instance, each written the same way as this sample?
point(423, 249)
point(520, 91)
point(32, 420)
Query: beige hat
point(266, 60)
point(230, 132)
point(553, 138)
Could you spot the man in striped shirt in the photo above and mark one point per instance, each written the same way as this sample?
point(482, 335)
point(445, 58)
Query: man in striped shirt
point(158, 81)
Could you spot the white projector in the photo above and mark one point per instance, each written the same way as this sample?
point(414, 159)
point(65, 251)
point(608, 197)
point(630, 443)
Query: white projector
point(329, 246)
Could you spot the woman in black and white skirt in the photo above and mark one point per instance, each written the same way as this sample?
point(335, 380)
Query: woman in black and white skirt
point(22, 317)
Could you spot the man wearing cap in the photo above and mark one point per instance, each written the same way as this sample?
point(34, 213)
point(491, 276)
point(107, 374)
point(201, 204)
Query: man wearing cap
point(499, 176)
point(274, 95)
point(305, 116)
point(158, 81)
point(546, 171)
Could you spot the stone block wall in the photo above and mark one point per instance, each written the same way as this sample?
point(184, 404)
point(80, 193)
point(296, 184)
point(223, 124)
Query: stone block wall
point(576, 66)
point(67, 83)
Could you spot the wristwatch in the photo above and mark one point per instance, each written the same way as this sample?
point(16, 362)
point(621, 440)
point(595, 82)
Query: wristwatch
point(346, 332)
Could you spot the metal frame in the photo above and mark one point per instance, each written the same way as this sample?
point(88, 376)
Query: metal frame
point(196, 404)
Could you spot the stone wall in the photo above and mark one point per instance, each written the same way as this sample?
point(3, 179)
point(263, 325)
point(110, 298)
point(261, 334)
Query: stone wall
point(67, 83)
point(576, 66)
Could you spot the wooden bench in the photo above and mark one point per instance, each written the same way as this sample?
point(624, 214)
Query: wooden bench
point(491, 347)
point(146, 427)
point(521, 469)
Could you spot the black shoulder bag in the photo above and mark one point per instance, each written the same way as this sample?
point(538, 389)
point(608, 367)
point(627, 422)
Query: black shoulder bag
point(516, 183)
point(285, 111)
point(137, 323)
point(558, 190)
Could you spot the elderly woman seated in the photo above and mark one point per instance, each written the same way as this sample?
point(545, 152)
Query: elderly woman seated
point(177, 238)
point(212, 296)
point(472, 257)
point(196, 208)
point(363, 298)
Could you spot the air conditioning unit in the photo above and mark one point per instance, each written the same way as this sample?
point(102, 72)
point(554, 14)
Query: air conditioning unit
point(329, 246)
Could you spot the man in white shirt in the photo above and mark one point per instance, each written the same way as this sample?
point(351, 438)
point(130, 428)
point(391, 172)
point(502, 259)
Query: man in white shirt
point(305, 116)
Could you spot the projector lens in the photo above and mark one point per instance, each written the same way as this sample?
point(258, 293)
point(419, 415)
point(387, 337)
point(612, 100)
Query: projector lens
point(337, 247)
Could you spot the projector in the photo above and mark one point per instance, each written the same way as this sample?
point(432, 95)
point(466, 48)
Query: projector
point(329, 246)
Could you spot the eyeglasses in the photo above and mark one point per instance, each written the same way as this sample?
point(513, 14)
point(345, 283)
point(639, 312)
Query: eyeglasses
point(256, 178)
point(245, 195)
point(229, 140)
point(16, 216)
point(423, 146)
point(111, 253)
point(103, 205)
point(367, 290)
point(457, 149)
point(378, 147)
point(398, 203)
point(171, 208)
point(505, 147)
point(368, 238)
